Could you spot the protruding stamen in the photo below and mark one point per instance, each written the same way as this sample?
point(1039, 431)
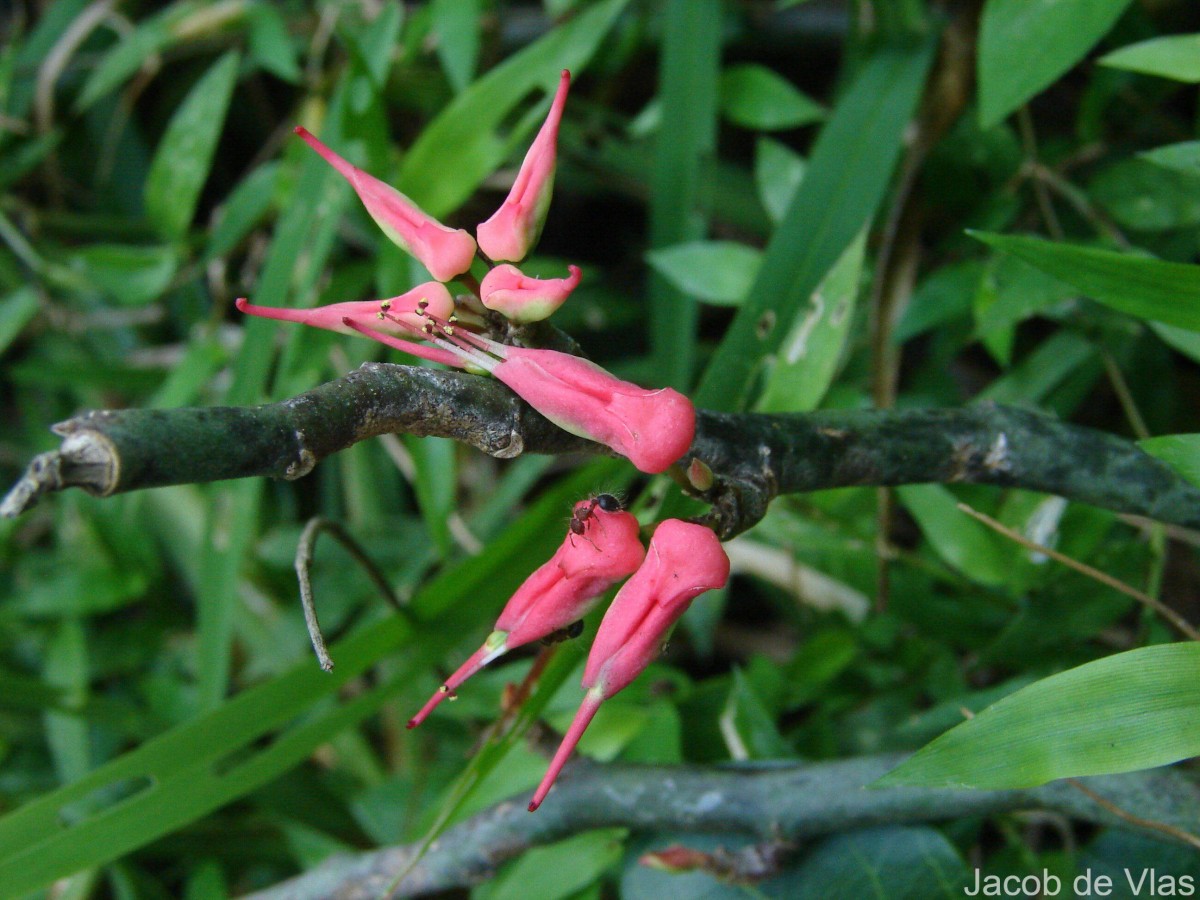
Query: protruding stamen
point(444, 689)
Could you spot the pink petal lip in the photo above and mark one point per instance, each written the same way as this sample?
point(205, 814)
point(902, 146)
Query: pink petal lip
point(523, 298)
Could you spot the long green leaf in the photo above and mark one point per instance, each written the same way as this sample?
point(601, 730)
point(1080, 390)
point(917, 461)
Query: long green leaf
point(845, 181)
point(185, 153)
point(1148, 288)
point(467, 138)
point(680, 193)
point(1129, 711)
point(1025, 44)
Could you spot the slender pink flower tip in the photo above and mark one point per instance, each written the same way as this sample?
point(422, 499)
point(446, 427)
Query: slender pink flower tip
point(515, 227)
point(493, 647)
point(562, 590)
point(522, 298)
point(651, 428)
point(684, 561)
point(402, 316)
point(445, 252)
point(583, 718)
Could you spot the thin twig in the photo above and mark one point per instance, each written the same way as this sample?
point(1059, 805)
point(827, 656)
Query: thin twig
point(304, 558)
point(1178, 833)
point(1180, 623)
point(1125, 396)
point(1041, 195)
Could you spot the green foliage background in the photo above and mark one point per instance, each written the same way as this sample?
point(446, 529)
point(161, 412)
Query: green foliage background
point(164, 730)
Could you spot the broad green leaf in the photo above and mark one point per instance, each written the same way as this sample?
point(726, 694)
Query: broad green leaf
point(1148, 197)
point(185, 153)
point(1132, 710)
point(559, 870)
point(1147, 288)
point(16, 311)
point(809, 356)
point(946, 294)
point(964, 543)
point(747, 725)
point(467, 139)
point(456, 23)
point(1180, 451)
point(1024, 45)
point(1184, 156)
point(778, 171)
point(718, 272)
point(847, 175)
point(271, 46)
point(888, 863)
point(130, 275)
point(755, 97)
point(681, 177)
point(1184, 340)
point(1036, 375)
point(1011, 291)
point(1174, 56)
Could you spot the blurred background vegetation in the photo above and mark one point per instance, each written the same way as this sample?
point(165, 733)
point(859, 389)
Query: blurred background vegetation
point(149, 178)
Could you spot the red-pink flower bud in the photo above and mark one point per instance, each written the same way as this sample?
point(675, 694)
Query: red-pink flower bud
point(684, 561)
point(601, 548)
point(522, 298)
point(445, 252)
point(651, 428)
point(515, 227)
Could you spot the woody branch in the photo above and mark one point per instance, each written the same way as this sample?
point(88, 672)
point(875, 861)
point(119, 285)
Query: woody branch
point(775, 804)
point(753, 457)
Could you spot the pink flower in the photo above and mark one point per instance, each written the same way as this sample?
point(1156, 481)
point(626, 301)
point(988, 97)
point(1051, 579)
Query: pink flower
point(522, 298)
point(601, 548)
point(684, 561)
point(402, 311)
point(445, 252)
point(517, 224)
point(651, 428)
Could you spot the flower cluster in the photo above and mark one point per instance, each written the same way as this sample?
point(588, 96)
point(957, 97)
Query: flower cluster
point(601, 548)
point(652, 428)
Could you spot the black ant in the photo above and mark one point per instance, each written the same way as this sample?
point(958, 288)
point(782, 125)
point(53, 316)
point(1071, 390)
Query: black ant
point(586, 510)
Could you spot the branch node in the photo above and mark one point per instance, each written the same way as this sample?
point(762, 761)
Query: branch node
point(306, 461)
point(512, 448)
